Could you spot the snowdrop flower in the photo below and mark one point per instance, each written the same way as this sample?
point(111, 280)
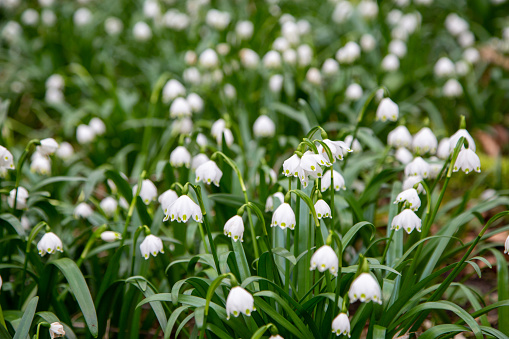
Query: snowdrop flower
point(148, 191)
point(48, 146)
point(199, 160)
point(166, 199)
point(244, 29)
point(180, 108)
point(341, 325)
point(506, 249)
point(234, 228)
point(322, 209)
point(387, 110)
point(398, 48)
point(264, 127)
point(365, 288)
point(55, 81)
point(46, 3)
point(418, 167)
point(217, 128)
point(280, 44)
point(83, 210)
point(113, 26)
point(453, 140)
point(190, 58)
point(399, 137)
point(40, 164)
point(311, 163)
point(304, 26)
point(183, 210)
point(355, 145)
point(97, 125)
point(444, 67)
point(173, 89)
point(217, 19)
point(291, 166)
point(339, 181)
point(455, 24)
point(12, 31)
point(195, 102)
point(390, 63)
point(21, 199)
point(269, 204)
point(462, 68)
point(337, 148)
point(330, 67)
point(471, 55)
point(403, 155)
point(85, 134)
point(410, 182)
point(54, 96)
point(208, 172)
point(443, 150)
point(56, 330)
point(49, 243)
point(290, 57)
point(407, 220)
point(368, 9)
point(283, 217)
point(276, 336)
point(272, 60)
point(239, 301)
point(180, 157)
point(304, 55)
point(109, 206)
point(249, 58)
point(151, 9)
point(367, 42)
point(182, 126)
point(229, 91)
point(452, 88)
point(325, 259)
point(110, 236)
point(466, 39)
point(151, 245)
point(348, 53)
point(208, 59)
point(82, 17)
point(424, 141)
point(342, 12)
point(353, 92)
point(467, 161)
point(394, 16)
point(290, 31)
point(228, 137)
point(6, 159)
point(276, 83)
point(142, 31)
point(411, 197)
point(314, 76)
point(30, 17)
point(48, 17)
point(25, 223)
point(201, 140)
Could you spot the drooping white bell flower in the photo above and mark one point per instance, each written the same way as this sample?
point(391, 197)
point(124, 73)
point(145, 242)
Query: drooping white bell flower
point(390, 63)
point(387, 110)
point(291, 166)
point(6, 159)
point(180, 157)
point(182, 126)
point(228, 137)
point(82, 17)
point(208, 59)
point(49, 243)
point(411, 181)
point(201, 140)
point(348, 53)
point(314, 76)
point(453, 140)
point(109, 206)
point(455, 24)
point(48, 146)
point(148, 191)
point(325, 259)
point(84, 134)
point(472, 55)
point(403, 155)
point(353, 92)
point(192, 76)
point(506, 247)
point(467, 161)
point(367, 42)
point(337, 148)
point(290, 57)
point(398, 48)
point(217, 128)
point(83, 210)
point(180, 108)
point(444, 68)
point(276, 83)
point(368, 9)
point(142, 31)
point(113, 26)
point(462, 68)
point(65, 151)
point(110, 236)
point(424, 141)
point(97, 126)
point(166, 199)
point(234, 228)
point(330, 67)
point(276, 336)
point(209, 173)
point(249, 58)
point(183, 210)
point(239, 301)
point(195, 102)
point(269, 204)
point(341, 325)
point(272, 60)
point(244, 29)
point(199, 160)
point(365, 288)
point(322, 209)
point(55, 81)
point(418, 167)
point(342, 12)
point(443, 149)
point(411, 197)
point(21, 199)
point(283, 217)
point(399, 137)
point(339, 181)
point(151, 245)
point(217, 19)
point(151, 9)
point(407, 220)
point(290, 32)
point(280, 44)
point(56, 330)
point(173, 89)
point(312, 162)
point(40, 164)
point(452, 89)
point(264, 127)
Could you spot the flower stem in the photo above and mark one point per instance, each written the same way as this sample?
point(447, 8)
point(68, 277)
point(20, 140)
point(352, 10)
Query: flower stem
point(19, 167)
point(89, 244)
point(131, 208)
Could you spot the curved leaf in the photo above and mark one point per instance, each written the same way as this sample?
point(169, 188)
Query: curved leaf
point(26, 321)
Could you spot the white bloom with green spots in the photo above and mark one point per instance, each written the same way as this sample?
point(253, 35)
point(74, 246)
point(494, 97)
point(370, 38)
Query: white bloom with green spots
point(365, 288)
point(325, 259)
point(151, 245)
point(407, 220)
point(234, 228)
point(239, 301)
point(208, 173)
point(284, 217)
point(183, 210)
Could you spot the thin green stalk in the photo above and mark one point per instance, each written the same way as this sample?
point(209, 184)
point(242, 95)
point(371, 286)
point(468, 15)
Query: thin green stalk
point(287, 263)
point(296, 232)
point(131, 208)
point(135, 238)
point(31, 238)
point(89, 244)
point(19, 167)
point(202, 234)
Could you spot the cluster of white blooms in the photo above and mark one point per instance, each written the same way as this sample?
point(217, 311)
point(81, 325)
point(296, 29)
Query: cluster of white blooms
point(6, 161)
point(85, 134)
point(54, 89)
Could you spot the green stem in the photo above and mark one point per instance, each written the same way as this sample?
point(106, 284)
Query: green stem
point(131, 208)
point(31, 238)
point(296, 233)
point(19, 167)
point(202, 234)
point(135, 238)
point(89, 244)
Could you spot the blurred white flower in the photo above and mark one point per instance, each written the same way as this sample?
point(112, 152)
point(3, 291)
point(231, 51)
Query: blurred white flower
point(394, 16)
point(249, 58)
point(98, 126)
point(6, 159)
point(387, 110)
point(25, 223)
point(443, 150)
point(54, 96)
point(367, 42)
point(341, 325)
point(322, 210)
point(166, 199)
point(49, 243)
point(192, 76)
point(339, 181)
point(355, 145)
point(368, 9)
point(176, 20)
point(228, 137)
point(48, 146)
point(453, 140)
point(201, 140)
point(217, 19)
point(462, 68)
point(12, 31)
point(304, 55)
point(467, 161)
point(180, 157)
point(403, 155)
point(466, 39)
point(264, 127)
point(452, 89)
point(183, 210)
point(399, 137)
point(342, 12)
point(48, 17)
point(110, 236)
point(325, 259)
point(269, 204)
point(229, 91)
point(113, 26)
point(83, 210)
point(280, 44)
point(195, 102)
point(173, 89)
point(148, 191)
point(365, 288)
point(21, 199)
point(411, 181)
point(217, 128)
point(84, 134)
point(348, 53)
point(142, 31)
point(190, 58)
point(180, 108)
point(290, 31)
point(314, 76)
point(276, 83)
point(330, 67)
point(455, 24)
point(109, 206)
point(208, 173)
point(272, 60)
point(65, 151)
point(353, 92)
point(55, 81)
point(410, 197)
point(407, 220)
point(46, 3)
point(239, 301)
point(151, 245)
point(244, 29)
point(304, 26)
point(234, 228)
point(424, 141)
point(398, 48)
point(151, 9)
point(435, 167)
point(82, 17)
point(40, 164)
point(418, 167)
point(472, 55)
point(390, 63)
point(444, 67)
point(199, 160)
point(30, 17)
point(290, 56)
point(283, 217)
point(208, 59)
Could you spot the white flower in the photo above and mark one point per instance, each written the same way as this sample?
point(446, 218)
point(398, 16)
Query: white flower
point(341, 325)
point(151, 245)
point(291, 166)
point(290, 56)
point(368, 42)
point(113, 26)
point(217, 128)
point(167, 198)
point(269, 204)
point(467, 161)
point(264, 127)
point(390, 63)
point(110, 236)
point(12, 31)
point(148, 191)
point(208, 173)
point(283, 217)
point(444, 67)
point(151, 9)
point(49, 243)
point(339, 181)
point(54, 96)
point(97, 126)
point(6, 159)
point(365, 288)
point(348, 53)
point(82, 17)
point(199, 160)
point(471, 55)
point(180, 108)
point(314, 76)
point(173, 89)
point(403, 155)
point(40, 164)
point(195, 102)
point(272, 60)
point(353, 92)
point(201, 140)
point(276, 336)
point(387, 110)
point(330, 67)
point(410, 182)
point(142, 31)
point(21, 199)
point(234, 228)
point(407, 220)
point(244, 29)
point(290, 32)
point(280, 44)
point(312, 162)
point(462, 68)
point(25, 223)
point(85, 134)
point(443, 150)
point(192, 76)
point(182, 126)
point(410, 197)
point(399, 137)
point(83, 210)
point(398, 48)
point(453, 140)
point(424, 141)
point(180, 157)
point(217, 19)
point(228, 137)
point(337, 148)
point(109, 206)
point(229, 91)
point(419, 167)
point(455, 24)
point(342, 12)
point(183, 210)
point(208, 59)
point(55, 81)
point(322, 209)
point(65, 151)
point(452, 88)
point(48, 146)
point(506, 249)
point(466, 39)
point(56, 330)
point(239, 301)
point(276, 83)
point(249, 58)
point(304, 55)
point(368, 9)
point(325, 259)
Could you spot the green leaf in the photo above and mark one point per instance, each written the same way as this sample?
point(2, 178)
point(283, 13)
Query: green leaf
point(4, 333)
point(283, 252)
point(503, 290)
point(51, 318)
point(438, 330)
point(352, 231)
point(26, 321)
point(14, 222)
point(53, 180)
point(173, 319)
point(79, 287)
point(292, 113)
